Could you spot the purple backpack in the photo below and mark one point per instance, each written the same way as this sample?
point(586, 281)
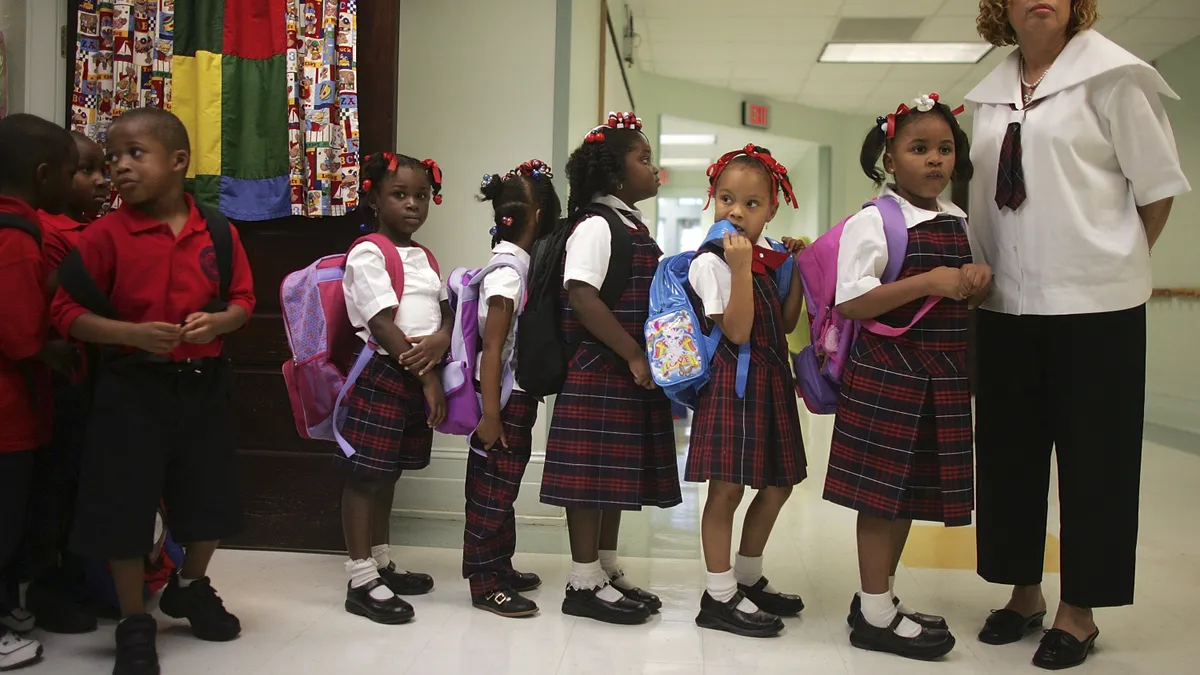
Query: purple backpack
point(464, 409)
point(819, 365)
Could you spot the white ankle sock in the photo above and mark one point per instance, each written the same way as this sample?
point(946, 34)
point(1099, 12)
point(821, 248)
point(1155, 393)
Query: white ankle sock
point(382, 555)
point(608, 562)
point(363, 572)
point(748, 571)
point(184, 583)
point(901, 607)
point(586, 576)
point(879, 611)
point(723, 585)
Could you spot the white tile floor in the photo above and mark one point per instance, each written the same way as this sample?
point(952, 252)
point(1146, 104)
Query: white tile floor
point(290, 606)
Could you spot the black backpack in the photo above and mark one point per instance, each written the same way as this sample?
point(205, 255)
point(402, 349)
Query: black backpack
point(15, 222)
point(543, 352)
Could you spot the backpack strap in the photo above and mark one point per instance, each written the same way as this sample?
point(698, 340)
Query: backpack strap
point(508, 371)
point(432, 259)
point(391, 259)
point(75, 278)
point(222, 239)
point(15, 222)
point(895, 230)
point(713, 338)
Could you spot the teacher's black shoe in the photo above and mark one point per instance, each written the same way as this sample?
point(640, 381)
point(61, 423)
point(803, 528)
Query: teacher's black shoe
point(1006, 626)
point(929, 645)
point(922, 620)
point(591, 606)
point(1061, 650)
point(726, 616)
point(391, 611)
point(779, 604)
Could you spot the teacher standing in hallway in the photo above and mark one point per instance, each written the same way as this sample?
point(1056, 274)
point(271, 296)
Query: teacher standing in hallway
point(1076, 168)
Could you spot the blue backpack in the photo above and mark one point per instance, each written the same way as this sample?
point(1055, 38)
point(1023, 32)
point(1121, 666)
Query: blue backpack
point(678, 350)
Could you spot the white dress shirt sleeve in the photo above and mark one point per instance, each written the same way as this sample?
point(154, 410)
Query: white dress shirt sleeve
point(588, 251)
point(862, 255)
point(367, 286)
point(712, 280)
point(503, 282)
point(1143, 140)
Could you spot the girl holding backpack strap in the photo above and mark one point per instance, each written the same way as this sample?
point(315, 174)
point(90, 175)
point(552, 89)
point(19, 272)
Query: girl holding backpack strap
point(751, 437)
point(902, 437)
point(526, 207)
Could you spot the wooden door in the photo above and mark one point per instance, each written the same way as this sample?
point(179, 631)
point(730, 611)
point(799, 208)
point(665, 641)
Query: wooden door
point(290, 494)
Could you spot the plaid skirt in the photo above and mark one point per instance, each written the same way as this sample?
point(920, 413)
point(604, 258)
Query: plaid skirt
point(611, 445)
point(754, 440)
point(385, 423)
point(902, 442)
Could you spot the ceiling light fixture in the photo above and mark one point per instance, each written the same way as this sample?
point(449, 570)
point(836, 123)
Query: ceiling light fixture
point(685, 162)
point(688, 139)
point(904, 52)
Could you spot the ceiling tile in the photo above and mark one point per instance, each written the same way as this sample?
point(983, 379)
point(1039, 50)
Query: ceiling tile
point(1173, 9)
point(1149, 52)
point(1156, 31)
point(948, 29)
point(843, 72)
point(875, 9)
point(938, 75)
point(1124, 8)
point(960, 8)
point(691, 70)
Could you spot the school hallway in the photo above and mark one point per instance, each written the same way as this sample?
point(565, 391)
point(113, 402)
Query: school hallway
point(291, 604)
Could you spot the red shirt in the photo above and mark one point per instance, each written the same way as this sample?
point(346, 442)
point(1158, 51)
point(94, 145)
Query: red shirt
point(60, 234)
point(26, 403)
point(150, 274)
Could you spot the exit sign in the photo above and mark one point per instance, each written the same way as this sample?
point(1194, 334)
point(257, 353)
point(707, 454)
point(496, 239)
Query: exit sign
point(756, 115)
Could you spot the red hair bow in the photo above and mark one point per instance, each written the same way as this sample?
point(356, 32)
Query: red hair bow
point(777, 172)
point(623, 120)
point(436, 171)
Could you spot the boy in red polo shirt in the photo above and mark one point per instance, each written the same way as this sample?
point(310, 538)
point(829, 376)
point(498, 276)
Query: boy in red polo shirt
point(35, 172)
point(89, 194)
point(161, 424)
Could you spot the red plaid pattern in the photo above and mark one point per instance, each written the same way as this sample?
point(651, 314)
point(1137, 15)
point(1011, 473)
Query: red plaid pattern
point(755, 440)
point(902, 444)
point(385, 423)
point(490, 537)
point(612, 443)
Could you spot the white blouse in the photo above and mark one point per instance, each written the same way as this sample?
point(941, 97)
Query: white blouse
point(712, 279)
point(1097, 144)
point(368, 290)
point(502, 282)
point(589, 247)
point(863, 251)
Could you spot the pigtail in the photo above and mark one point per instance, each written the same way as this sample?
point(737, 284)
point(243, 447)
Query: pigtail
point(435, 179)
point(872, 149)
point(515, 198)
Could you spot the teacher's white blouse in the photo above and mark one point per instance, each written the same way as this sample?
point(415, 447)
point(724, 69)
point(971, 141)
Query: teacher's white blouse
point(1097, 144)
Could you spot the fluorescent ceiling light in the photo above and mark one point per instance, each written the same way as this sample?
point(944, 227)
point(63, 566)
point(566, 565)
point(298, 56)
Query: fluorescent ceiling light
point(691, 201)
point(688, 139)
point(904, 52)
point(685, 162)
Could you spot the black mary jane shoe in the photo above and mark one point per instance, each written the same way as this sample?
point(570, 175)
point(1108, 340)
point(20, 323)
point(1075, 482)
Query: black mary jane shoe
point(591, 606)
point(1006, 626)
point(523, 582)
point(505, 602)
point(405, 583)
point(726, 616)
point(1061, 650)
point(779, 604)
point(389, 612)
point(650, 600)
point(929, 645)
point(923, 620)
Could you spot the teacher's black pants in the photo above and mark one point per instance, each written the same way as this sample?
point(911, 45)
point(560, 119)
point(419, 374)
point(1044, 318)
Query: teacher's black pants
point(1077, 384)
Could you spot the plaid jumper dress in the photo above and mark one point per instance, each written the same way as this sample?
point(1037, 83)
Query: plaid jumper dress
point(385, 423)
point(612, 443)
point(902, 444)
point(754, 440)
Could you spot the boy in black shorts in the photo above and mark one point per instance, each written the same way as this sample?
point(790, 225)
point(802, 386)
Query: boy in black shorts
point(157, 282)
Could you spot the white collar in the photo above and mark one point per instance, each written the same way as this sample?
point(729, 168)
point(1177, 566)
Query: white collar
point(509, 248)
point(621, 208)
point(914, 216)
point(1088, 55)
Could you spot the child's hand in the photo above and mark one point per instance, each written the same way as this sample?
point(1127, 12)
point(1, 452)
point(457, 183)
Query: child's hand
point(948, 282)
point(978, 278)
point(490, 432)
point(435, 398)
point(793, 246)
point(155, 337)
point(739, 253)
point(426, 353)
point(640, 367)
point(199, 328)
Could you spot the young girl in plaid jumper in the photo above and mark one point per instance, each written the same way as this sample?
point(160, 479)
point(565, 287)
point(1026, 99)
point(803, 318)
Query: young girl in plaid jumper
point(612, 441)
point(754, 439)
point(386, 419)
point(525, 207)
point(902, 437)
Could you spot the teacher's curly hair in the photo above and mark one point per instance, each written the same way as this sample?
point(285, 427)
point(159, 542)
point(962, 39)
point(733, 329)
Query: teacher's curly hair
point(994, 27)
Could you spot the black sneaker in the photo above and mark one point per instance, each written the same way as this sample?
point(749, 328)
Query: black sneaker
point(389, 612)
point(405, 583)
point(726, 616)
point(136, 651)
point(523, 582)
point(505, 602)
point(57, 610)
point(779, 604)
point(922, 620)
point(636, 594)
point(200, 605)
point(591, 606)
point(929, 645)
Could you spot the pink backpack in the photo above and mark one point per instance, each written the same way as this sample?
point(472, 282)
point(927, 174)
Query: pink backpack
point(323, 341)
point(819, 365)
